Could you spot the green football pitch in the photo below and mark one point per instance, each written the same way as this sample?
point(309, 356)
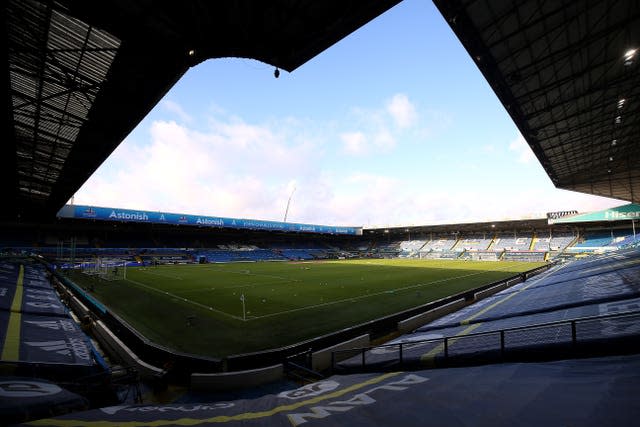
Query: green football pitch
point(222, 309)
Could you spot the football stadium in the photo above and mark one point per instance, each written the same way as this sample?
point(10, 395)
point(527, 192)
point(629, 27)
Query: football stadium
point(113, 316)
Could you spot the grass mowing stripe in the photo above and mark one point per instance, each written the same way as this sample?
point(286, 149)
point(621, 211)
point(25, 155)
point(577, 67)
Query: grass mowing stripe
point(219, 333)
point(359, 297)
point(248, 273)
point(11, 348)
point(250, 285)
point(146, 271)
point(206, 307)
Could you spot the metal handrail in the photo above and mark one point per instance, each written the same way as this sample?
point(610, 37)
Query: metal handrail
point(445, 340)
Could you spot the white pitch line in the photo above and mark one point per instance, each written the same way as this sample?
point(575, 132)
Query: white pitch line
point(244, 273)
point(197, 291)
point(206, 307)
point(251, 285)
point(371, 295)
point(161, 275)
point(213, 288)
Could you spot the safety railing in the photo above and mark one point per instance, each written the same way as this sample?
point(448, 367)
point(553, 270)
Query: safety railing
point(550, 340)
point(300, 367)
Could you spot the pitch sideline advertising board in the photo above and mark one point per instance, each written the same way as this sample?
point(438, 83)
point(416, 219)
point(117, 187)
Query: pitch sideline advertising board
point(127, 215)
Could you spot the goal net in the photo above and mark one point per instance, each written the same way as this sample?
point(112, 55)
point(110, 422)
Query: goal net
point(107, 269)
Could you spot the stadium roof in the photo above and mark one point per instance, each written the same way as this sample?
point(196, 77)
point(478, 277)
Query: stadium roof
point(82, 74)
point(568, 73)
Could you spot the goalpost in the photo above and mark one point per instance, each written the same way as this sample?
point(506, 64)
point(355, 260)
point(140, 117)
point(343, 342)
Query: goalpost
point(107, 269)
point(114, 270)
point(90, 268)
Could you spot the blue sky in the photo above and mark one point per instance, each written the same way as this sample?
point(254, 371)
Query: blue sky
point(393, 125)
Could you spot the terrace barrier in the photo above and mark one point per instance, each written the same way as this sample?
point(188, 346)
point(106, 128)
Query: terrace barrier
point(587, 336)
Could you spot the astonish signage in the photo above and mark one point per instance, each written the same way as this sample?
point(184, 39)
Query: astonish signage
point(126, 215)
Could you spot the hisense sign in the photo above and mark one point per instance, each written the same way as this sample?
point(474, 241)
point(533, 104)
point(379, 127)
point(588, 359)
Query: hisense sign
point(616, 215)
point(621, 213)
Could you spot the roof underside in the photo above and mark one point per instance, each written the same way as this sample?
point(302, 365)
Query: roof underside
point(560, 70)
point(82, 74)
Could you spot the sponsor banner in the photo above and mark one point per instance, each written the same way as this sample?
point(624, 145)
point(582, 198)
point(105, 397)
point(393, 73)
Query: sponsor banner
point(24, 398)
point(34, 301)
point(36, 283)
point(46, 339)
point(42, 301)
point(621, 213)
point(4, 326)
point(331, 401)
point(127, 215)
point(534, 394)
point(6, 295)
point(29, 293)
point(8, 278)
point(35, 277)
point(7, 267)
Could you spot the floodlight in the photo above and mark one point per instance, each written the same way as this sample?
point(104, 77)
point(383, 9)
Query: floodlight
point(629, 55)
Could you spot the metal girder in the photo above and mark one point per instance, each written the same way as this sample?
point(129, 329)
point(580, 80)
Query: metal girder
point(558, 67)
point(82, 74)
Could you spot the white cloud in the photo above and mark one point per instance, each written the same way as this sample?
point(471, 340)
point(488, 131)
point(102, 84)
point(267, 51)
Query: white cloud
point(522, 149)
point(354, 143)
point(234, 169)
point(392, 126)
point(175, 108)
point(384, 140)
point(402, 111)
point(237, 169)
